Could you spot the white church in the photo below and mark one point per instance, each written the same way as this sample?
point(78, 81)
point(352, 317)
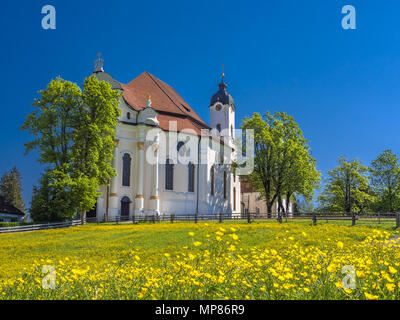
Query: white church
point(167, 159)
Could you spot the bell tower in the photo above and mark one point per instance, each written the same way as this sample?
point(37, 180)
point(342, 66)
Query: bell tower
point(222, 111)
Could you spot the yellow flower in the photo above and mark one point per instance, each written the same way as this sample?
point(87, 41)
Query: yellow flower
point(232, 248)
point(331, 268)
point(360, 274)
point(392, 270)
point(167, 255)
point(390, 286)
point(191, 234)
point(197, 244)
point(235, 237)
point(306, 289)
point(370, 296)
point(340, 245)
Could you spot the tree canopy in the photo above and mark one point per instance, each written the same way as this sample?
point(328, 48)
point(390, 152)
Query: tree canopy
point(385, 182)
point(74, 132)
point(11, 188)
point(346, 188)
point(283, 165)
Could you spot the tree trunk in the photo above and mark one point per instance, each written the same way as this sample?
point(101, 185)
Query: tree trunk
point(83, 216)
point(287, 202)
point(280, 205)
point(269, 209)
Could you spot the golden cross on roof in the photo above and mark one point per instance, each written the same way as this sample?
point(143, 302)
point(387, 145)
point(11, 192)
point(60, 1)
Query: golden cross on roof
point(223, 71)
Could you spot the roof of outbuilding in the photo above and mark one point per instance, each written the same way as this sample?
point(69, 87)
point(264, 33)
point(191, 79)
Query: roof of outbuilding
point(8, 208)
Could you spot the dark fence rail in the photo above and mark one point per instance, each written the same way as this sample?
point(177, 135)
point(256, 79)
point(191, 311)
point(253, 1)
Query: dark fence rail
point(314, 218)
point(249, 217)
point(36, 227)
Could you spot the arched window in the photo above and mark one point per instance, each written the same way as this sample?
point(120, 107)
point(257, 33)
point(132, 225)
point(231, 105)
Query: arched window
point(126, 170)
point(225, 185)
point(234, 199)
point(231, 131)
point(180, 145)
point(191, 177)
point(125, 202)
point(219, 127)
point(212, 180)
point(169, 175)
point(128, 115)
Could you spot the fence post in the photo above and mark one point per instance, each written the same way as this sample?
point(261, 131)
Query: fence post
point(314, 219)
point(353, 219)
point(397, 220)
point(279, 217)
point(379, 218)
point(220, 218)
point(195, 218)
point(172, 218)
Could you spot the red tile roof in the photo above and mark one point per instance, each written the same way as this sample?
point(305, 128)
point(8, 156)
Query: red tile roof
point(169, 105)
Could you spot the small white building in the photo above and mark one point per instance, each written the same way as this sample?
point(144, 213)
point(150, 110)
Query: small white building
point(168, 160)
point(9, 213)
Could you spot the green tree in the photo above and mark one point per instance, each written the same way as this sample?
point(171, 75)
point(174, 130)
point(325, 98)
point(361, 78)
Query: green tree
point(11, 188)
point(54, 200)
point(74, 133)
point(385, 181)
point(283, 165)
point(346, 188)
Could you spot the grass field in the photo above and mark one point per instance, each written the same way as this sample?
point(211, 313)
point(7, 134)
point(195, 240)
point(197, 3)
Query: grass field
point(202, 261)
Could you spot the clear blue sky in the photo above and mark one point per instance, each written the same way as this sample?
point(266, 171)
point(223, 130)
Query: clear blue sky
point(342, 86)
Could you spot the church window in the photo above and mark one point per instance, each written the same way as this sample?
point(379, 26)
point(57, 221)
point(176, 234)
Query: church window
point(219, 127)
point(231, 131)
point(234, 199)
point(180, 145)
point(169, 175)
point(225, 185)
point(191, 177)
point(212, 180)
point(126, 170)
point(128, 115)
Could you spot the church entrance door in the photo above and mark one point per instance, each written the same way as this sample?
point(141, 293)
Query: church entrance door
point(125, 203)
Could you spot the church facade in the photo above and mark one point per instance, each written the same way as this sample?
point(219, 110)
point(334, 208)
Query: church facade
point(167, 159)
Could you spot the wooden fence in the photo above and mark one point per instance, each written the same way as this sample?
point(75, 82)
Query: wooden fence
point(36, 227)
point(314, 218)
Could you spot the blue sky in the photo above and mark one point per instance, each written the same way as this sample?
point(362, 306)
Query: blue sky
point(342, 86)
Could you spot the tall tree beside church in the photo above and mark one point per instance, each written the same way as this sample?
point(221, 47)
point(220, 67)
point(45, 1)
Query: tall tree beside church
point(11, 189)
point(74, 132)
point(94, 142)
point(283, 165)
point(346, 188)
point(385, 181)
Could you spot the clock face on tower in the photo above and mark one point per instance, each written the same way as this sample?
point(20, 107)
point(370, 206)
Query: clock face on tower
point(218, 107)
